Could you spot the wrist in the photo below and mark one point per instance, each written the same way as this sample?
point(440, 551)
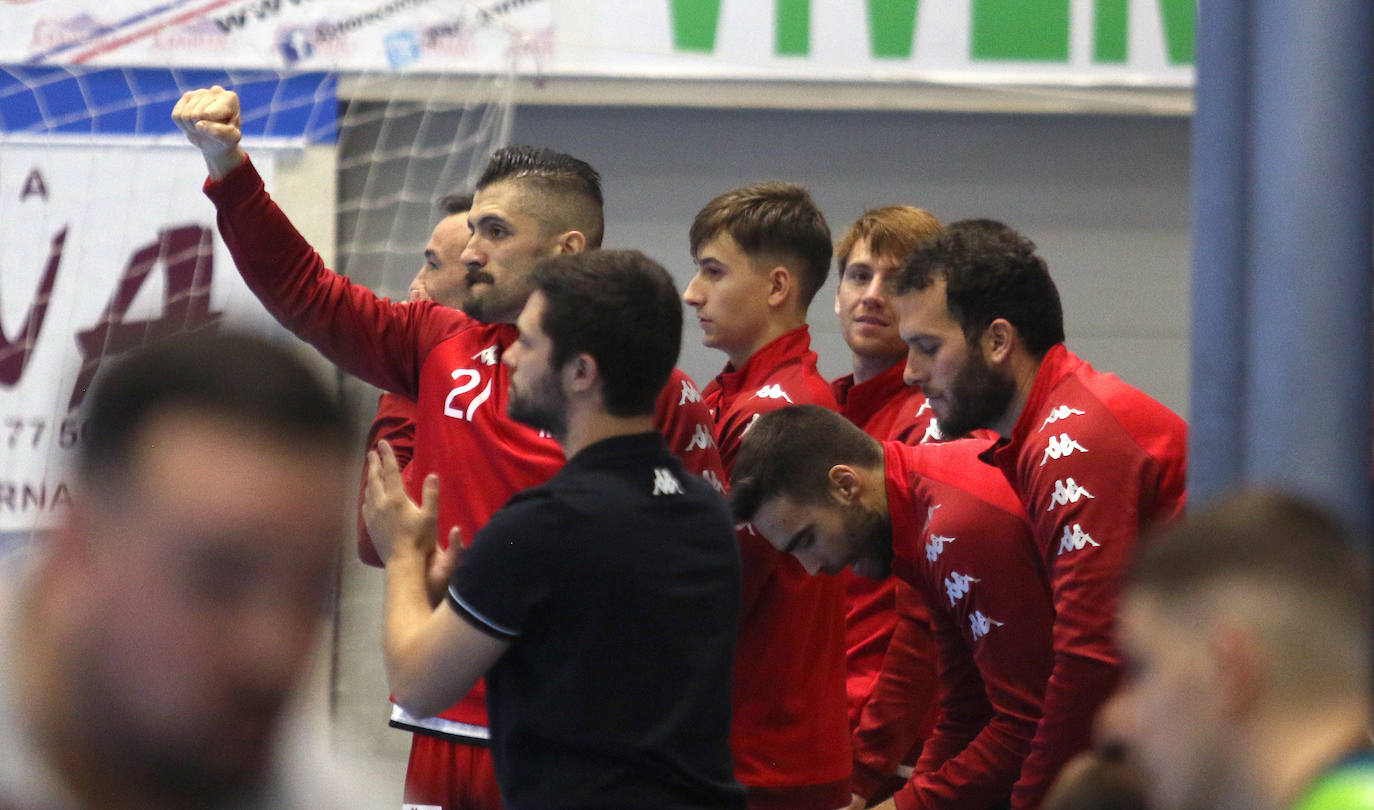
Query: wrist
point(222, 163)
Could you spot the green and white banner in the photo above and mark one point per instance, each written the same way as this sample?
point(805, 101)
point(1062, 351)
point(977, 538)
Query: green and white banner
point(1064, 42)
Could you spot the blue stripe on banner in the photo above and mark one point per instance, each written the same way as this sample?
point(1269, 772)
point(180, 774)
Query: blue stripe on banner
point(138, 101)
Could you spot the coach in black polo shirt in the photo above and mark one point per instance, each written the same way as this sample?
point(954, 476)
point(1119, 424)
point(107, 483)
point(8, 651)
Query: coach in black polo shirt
point(602, 605)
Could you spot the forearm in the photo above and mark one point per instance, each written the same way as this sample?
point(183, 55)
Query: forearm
point(371, 338)
point(406, 612)
point(901, 709)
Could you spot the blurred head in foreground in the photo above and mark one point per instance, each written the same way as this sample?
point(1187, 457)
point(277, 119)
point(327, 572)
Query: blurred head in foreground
point(1246, 632)
point(163, 632)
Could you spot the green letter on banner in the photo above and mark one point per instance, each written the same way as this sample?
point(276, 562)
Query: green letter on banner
point(1021, 30)
point(891, 28)
point(694, 24)
point(1111, 26)
point(1109, 31)
point(1180, 18)
point(792, 28)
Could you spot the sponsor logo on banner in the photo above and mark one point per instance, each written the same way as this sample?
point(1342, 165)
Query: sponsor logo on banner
point(107, 247)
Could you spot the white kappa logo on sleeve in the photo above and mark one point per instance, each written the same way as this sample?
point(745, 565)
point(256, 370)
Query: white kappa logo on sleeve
point(689, 394)
point(1060, 412)
point(1075, 539)
point(701, 439)
point(936, 546)
point(981, 625)
point(957, 586)
point(1067, 491)
point(1061, 446)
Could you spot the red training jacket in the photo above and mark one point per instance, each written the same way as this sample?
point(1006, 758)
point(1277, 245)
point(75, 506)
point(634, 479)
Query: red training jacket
point(789, 726)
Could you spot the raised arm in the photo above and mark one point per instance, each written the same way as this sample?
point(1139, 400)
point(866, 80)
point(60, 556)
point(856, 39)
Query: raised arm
point(370, 337)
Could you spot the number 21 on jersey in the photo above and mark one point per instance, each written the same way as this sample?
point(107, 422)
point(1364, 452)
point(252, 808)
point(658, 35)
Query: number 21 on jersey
point(466, 379)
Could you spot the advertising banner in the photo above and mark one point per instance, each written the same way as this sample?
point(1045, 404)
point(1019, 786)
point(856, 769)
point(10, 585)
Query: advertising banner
point(106, 246)
point(1057, 42)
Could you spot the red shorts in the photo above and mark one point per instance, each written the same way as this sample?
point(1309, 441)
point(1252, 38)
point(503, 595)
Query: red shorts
point(829, 796)
point(450, 775)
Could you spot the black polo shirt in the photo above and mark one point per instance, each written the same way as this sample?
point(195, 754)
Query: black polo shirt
point(617, 583)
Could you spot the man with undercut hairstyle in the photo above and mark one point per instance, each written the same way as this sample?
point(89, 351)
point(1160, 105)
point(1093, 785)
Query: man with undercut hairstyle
point(529, 204)
point(1246, 635)
point(1093, 460)
point(876, 399)
point(762, 252)
point(442, 279)
point(603, 603)
point(947, 525)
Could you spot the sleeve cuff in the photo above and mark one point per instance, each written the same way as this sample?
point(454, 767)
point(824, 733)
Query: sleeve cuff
point(905, 799)
point(242, 182)
point(476, 619)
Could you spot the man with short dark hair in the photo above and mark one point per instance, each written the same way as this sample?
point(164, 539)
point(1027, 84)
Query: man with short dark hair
point(947, 525)
point(530, 204)
point(762, 252)
point(603, 603)
point(1246, 635)
point(1093, 460)
point(152, 647)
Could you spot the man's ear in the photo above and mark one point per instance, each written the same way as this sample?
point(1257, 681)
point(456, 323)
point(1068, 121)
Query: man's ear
point(570, 242)
point(998, 341)
point(580, 373)
point(846, 485)
point(781, 286)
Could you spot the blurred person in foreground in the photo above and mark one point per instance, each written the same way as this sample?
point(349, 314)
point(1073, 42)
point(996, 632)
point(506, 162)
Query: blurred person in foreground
point(152, 647)
point(1246, 635)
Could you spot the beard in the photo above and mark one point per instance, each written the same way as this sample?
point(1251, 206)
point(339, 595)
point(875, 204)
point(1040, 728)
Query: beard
point(498, 303)
point(872, 536)
point(977, 397)
point(222, 759)
point(543, 406)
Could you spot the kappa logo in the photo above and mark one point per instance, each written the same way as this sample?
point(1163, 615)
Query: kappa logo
point(665, 483)
point(1075, 539)
point(689, 394)
point(930, 515)
point(936, 546)
point(773, 391)
point(701, 439)
point(925, 406)
point(981, 625)
point(1066, 491)
point(1060, 446)
point(957, 585)
point(1060, 412)
point(487, 356)
point(932, 433)
point(713, 480)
